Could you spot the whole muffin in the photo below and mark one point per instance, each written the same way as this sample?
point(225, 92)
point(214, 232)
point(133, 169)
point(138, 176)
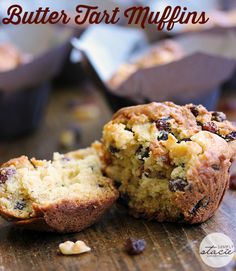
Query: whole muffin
point(169, 162)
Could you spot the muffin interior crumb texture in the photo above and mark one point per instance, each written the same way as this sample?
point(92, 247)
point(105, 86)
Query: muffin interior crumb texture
point(26, 183)
point(169, 162)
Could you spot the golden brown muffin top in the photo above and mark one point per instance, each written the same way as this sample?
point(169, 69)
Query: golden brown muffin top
point(182, 121)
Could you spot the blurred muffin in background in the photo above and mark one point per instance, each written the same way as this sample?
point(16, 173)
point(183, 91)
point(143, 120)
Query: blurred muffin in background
point(167, 52)
point(218, 18)
point(11, 57)
point(228, 4)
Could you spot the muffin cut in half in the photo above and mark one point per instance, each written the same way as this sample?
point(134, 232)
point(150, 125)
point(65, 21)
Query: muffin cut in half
point(169, 162)
point(66, 194)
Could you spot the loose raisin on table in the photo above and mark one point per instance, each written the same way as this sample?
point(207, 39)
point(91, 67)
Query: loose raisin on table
point(20, 205)
point(231, 136)
point(218, 116)
point(162, 125)
point(232, 182)
point(210, 127)
point(178, 185)
point(135, 246)
point(163, 136)
point(194, 110)
point(5, 174)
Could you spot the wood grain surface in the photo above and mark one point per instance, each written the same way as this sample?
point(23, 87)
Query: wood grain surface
point(169, 246)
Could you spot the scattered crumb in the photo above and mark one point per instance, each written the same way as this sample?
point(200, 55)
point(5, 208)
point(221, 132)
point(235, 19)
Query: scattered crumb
point(67, 139)
point(86, 112)
point(135, 246)
point(70, 137)
point(71, 248)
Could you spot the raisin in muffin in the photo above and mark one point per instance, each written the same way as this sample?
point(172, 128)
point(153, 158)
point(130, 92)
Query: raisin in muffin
point(66, 194)
point(169, 162)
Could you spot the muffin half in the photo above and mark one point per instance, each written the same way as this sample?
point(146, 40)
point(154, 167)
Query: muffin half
point(169, 162)
point(66, 194)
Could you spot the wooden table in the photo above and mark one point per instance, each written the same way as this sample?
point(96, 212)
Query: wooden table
point(169, 246)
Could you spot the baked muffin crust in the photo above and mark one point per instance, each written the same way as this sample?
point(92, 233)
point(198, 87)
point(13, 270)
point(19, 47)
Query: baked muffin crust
point(66, 194)
point(170, 162)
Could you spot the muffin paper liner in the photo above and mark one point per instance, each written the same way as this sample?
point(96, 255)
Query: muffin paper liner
point(48, 47)
point(24, 90)
point(208, 62)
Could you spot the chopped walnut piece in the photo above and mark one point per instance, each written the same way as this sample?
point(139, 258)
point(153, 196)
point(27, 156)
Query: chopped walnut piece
point(71, 248)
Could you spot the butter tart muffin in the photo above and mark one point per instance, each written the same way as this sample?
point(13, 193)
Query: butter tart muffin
point(164, 53)
point(169, 162)
point(66, 194)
